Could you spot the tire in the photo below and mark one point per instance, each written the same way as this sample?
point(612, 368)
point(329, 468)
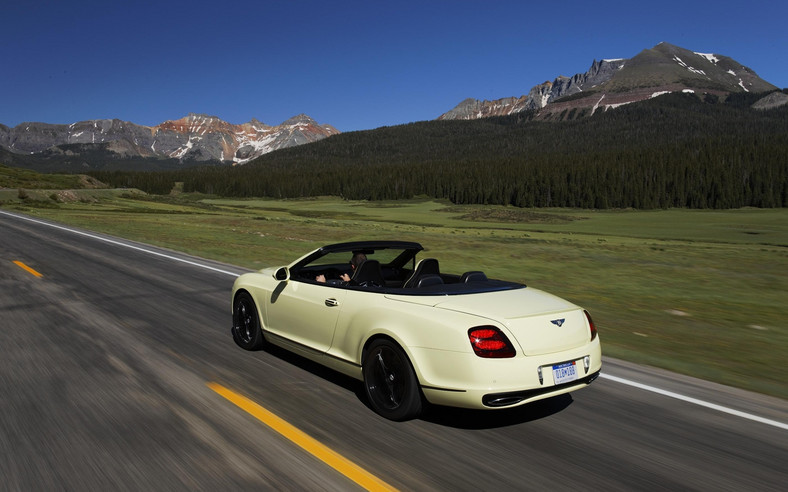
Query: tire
point(390, 383)
point(246, 324)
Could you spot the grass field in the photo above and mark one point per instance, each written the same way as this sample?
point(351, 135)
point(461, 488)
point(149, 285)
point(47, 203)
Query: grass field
point(698, 292)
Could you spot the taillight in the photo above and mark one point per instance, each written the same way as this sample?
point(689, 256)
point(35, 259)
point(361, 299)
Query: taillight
point(490, 342)
point(591, 324)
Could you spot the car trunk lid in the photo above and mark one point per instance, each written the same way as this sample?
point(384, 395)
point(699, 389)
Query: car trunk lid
point(540, 322)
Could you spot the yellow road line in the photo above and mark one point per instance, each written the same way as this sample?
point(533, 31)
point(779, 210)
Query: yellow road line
point(27, 268)
point(309, 444)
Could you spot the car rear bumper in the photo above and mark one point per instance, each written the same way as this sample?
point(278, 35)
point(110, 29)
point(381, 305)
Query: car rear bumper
point(500, 400)
point(468, 381)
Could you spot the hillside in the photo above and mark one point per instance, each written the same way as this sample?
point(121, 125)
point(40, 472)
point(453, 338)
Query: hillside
point(11, 177)
point(675, 150)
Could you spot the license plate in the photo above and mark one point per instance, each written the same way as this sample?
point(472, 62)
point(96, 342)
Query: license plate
point(564, 373)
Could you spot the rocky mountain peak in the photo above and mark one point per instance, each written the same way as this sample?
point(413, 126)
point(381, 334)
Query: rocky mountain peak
point(608, 83)
point(300, 119)
point(254, 122)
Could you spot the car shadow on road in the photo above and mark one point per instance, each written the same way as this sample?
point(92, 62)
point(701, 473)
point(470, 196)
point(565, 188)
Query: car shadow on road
point(339, 379)
point(459, 418)
point(463, 418)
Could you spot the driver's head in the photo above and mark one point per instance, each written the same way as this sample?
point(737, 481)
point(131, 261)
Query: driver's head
point(358, 259)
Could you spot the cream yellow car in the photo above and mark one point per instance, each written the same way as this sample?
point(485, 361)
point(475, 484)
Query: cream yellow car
point(414, 334)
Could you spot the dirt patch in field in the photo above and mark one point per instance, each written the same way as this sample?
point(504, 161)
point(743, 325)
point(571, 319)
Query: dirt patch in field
point(512, 215)
point(89, 182)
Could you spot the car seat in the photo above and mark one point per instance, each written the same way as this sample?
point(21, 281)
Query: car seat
point(428, 281)
point(473, 277)
point(427, 266)
point(368, 274)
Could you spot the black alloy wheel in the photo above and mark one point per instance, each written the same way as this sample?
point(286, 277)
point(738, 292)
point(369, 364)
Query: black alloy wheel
point(246, 325)
point(390, 382)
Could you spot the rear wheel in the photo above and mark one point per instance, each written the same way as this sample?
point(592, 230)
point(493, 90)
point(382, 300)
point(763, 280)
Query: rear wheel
point(390, 382)
point(246, 324)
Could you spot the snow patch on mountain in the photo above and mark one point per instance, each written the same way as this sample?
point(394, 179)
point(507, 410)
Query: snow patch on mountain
point(691, 69)
point(709, 56)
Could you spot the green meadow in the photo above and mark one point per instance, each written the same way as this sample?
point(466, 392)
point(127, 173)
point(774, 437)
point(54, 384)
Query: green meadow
point(701, 292)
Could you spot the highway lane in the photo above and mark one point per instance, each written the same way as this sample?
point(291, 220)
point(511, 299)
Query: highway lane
point(106, 359)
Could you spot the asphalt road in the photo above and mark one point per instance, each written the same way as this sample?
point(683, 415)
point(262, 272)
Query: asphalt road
point(107, 356)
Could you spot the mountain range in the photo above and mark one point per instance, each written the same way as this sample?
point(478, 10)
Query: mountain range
point(200, 139)
point(194, 138)
point(662, 69)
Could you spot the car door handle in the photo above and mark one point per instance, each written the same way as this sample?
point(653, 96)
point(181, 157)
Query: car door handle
point(331, 302)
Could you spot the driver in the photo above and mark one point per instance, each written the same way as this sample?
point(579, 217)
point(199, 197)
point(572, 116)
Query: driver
point(355, 261)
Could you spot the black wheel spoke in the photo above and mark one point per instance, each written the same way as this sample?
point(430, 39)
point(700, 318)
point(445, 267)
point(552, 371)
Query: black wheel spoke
point(389, 378)
point(244, 323)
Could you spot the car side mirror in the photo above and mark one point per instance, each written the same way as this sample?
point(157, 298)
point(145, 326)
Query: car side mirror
point(282, 274)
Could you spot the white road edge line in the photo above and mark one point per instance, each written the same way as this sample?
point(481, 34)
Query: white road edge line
point(695, 401)
point(617, 379)
point(118, 243)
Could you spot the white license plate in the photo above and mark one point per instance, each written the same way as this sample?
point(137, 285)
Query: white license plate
point(564, 373)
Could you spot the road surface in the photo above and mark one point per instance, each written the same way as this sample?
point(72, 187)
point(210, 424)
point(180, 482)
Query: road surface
point(118, 372)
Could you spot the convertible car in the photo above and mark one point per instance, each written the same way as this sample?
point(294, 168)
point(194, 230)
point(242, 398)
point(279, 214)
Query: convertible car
point(414, 334)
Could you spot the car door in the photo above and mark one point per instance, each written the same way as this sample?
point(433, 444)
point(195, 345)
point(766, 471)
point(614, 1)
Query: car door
point(305, 312)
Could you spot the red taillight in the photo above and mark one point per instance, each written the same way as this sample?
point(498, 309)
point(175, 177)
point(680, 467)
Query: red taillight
point(489, 342)
point(591, 325)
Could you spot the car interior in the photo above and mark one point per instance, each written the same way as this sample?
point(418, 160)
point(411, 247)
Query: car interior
point(423, 278)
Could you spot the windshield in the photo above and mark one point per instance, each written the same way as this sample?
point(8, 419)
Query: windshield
point(384, 257)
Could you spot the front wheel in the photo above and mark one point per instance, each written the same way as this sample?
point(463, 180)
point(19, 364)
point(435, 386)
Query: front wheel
point(246, 324)
point(390, 382)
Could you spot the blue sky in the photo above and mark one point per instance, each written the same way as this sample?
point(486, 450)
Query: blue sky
point(354, 65)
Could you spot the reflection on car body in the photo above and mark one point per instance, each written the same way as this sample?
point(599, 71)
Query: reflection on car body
point(414, 334)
